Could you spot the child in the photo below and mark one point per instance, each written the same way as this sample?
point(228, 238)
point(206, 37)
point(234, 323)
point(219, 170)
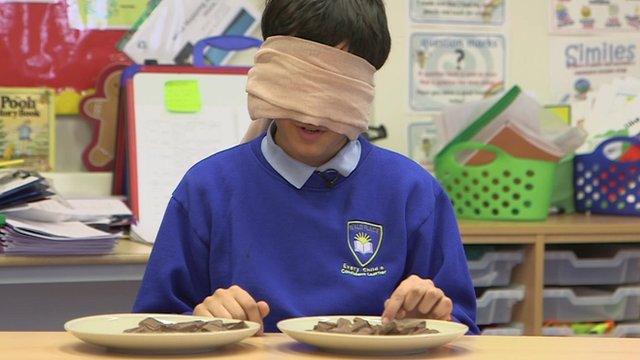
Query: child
point(308, 218)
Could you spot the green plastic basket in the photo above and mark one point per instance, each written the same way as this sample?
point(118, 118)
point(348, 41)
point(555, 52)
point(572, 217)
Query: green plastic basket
point(508, 188)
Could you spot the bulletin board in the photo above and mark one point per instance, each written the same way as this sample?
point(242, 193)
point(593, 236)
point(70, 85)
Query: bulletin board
point(45, 51)
point(166, 136)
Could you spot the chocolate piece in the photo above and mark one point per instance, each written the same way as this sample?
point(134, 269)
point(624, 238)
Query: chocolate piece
point(363, 327)
point(366, 331)
point(387, 329)
point(343, 326)
point(153, 326)
point(358, 323)
point(213, 326)
point(324, 326)
point(191, 326)
point(236, 326)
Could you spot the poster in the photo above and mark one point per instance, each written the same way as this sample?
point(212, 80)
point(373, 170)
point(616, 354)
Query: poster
point(45, 51)
point(104, 14)
point(594, 16)
point(478, 12)
point(173, 27)
point(452, 68)
point(585, 63)
point(27, 130)
point(423, 143)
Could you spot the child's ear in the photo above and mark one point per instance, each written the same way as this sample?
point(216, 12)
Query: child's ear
point(344, 46)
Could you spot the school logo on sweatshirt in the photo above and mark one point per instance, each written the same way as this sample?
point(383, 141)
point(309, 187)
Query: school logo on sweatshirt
point(364, 240)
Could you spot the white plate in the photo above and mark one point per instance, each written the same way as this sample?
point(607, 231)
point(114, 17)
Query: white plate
point(299, 329)
point(107, 330)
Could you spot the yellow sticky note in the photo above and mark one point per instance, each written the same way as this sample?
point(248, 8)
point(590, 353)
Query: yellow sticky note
point(182, 96)
point(562, 111)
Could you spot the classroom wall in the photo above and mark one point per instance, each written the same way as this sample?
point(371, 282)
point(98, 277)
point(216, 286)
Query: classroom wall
point(526, 31)
point(527, 37)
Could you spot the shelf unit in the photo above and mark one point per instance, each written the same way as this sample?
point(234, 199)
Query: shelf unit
point(129, 259)
point(534, 236)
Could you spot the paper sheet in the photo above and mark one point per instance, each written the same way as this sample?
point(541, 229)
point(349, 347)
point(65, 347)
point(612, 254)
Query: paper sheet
point(57, 230)
point(174, 26)
point(168, 144)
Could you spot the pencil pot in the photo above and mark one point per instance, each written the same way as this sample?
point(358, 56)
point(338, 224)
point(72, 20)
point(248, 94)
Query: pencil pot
point(605, 186)
point(507, 188)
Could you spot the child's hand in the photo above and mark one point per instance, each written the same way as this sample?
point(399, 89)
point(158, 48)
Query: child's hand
point(233, 303)
point(417, 298)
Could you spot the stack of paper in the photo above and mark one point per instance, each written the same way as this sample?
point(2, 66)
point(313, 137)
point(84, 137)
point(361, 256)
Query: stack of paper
point(611, 110)
point(89, 211)
point(17, 187)
point(515, 123)
point(518, 142)
point(24, 237)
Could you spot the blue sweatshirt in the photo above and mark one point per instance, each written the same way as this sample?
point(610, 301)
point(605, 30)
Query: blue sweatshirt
point(319, 250)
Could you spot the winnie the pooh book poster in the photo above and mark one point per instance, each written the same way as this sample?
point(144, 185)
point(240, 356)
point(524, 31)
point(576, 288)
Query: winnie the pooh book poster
point(27, 128)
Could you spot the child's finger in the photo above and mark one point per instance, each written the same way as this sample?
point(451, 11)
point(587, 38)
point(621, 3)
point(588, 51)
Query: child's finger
point(219, 311)
point(429, 300)
point(413, 298)
point(395, 302)
point(201, 310)
point(264, 309)
point(232, 306)
point(248, 304)
point(442, 309)
point(401, 314)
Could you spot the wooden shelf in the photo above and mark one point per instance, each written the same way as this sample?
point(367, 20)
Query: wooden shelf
point(127, 252)
point(534, 237)
point(574, 224)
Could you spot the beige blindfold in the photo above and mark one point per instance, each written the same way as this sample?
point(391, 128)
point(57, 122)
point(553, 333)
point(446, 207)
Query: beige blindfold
point(311, 83)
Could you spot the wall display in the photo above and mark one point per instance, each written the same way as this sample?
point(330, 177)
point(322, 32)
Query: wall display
point(583, 64)
point(594, 16)
point(423, 142)
point(104, 14)
point(101, 110)
point(171, 28)
point(45, 51)
point(27, 129)
point(480, 12)
point(452, 68)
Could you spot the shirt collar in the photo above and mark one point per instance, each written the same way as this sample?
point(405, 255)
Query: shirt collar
point(296, 172)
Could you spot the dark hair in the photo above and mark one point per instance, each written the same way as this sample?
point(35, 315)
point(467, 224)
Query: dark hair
point(362, 24)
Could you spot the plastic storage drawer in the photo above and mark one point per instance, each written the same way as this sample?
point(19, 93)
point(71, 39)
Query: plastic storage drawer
point(565, 268)
point(495, 306)
point(620, 330)
point(626, 330)
point(585, 304)
point(508, 330)
point(494, 268)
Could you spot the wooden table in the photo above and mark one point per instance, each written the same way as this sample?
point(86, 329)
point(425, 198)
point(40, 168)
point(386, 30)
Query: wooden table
point(59, 345)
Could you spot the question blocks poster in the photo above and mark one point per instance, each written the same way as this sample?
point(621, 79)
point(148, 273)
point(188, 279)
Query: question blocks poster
point(453, 68)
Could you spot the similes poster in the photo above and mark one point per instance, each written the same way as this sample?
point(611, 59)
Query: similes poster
point(583, 64)
point(453, 68)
